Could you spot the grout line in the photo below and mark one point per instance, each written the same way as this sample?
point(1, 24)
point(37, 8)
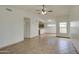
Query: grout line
point(75, 49)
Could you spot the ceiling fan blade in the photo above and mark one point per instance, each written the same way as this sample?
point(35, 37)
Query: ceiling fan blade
point(40, 13)
point(50, 11)
point(43, 11)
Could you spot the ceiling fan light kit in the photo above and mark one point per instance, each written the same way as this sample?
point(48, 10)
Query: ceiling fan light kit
point(44, 10)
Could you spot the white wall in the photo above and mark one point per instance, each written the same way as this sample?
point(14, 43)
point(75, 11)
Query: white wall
point(74, 24)
point(74, 29)
point(11, 26)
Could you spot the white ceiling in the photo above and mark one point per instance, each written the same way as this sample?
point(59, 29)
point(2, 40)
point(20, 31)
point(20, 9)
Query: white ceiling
point(59, 11)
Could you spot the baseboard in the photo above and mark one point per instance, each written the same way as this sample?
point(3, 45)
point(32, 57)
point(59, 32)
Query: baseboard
point(50, 33)
point(63, 37)
point(34, 36)
point(31, 37)
point(13, 44)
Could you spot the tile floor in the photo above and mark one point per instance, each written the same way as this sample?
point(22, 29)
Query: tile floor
point(45, 44)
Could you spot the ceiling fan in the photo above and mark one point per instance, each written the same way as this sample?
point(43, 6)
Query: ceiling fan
point(44, 11)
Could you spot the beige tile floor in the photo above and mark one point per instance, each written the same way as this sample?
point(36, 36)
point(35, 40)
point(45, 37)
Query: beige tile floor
point(45, 44)
point(76, 44)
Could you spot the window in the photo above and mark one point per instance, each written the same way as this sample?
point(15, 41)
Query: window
point(63, 27)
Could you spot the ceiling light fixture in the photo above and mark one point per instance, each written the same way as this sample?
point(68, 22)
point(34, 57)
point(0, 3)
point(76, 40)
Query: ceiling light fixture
point(44, 10)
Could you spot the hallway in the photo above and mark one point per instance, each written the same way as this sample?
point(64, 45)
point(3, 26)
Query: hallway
point(46, 44)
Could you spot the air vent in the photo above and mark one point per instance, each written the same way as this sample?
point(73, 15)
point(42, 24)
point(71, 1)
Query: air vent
point(50, 11)
point(8, 9)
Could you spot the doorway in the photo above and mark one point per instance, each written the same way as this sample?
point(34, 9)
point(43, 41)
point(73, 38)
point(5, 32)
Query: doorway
point(26, 27)
point(41, 28)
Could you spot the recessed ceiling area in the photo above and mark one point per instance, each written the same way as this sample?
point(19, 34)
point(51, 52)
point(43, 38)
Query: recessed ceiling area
point(58, 11)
